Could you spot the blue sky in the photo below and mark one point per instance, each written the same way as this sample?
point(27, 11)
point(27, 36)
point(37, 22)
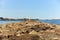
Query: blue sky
point(45, 9)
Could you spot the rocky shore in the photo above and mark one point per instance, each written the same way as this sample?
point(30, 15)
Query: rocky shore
point(29, 30)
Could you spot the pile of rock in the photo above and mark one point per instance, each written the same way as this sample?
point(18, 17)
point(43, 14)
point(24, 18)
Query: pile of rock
point(29, 30)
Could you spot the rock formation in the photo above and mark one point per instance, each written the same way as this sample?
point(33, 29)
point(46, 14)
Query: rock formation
point(29, 30)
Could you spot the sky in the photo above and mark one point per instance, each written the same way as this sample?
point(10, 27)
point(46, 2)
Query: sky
point(42, 9)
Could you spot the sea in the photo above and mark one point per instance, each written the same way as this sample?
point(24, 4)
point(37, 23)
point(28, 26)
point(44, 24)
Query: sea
point(47, 21)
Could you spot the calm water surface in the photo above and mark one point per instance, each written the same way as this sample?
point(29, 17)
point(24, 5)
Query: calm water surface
point(51, 21)
point(5, 22)
point(48, 21)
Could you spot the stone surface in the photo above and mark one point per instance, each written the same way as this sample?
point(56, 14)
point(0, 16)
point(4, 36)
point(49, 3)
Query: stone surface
point(27, 30)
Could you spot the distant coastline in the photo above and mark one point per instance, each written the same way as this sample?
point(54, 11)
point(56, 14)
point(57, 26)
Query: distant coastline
point(21, 19)
point(13, 19)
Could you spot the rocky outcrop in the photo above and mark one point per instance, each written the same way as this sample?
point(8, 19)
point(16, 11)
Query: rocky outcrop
point(1, 18)
point(29, 30)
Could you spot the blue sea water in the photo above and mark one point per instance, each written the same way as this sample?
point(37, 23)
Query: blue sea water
point(5, 22)
point(51, 21)
point(48, 21)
